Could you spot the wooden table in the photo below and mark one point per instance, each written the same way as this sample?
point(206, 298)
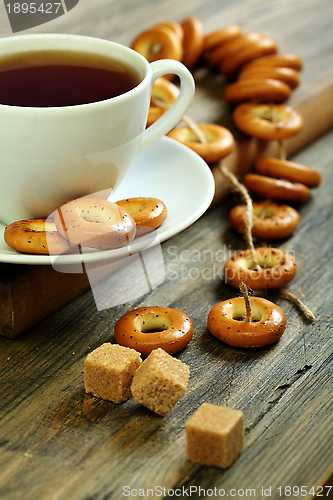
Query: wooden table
point(57, 443)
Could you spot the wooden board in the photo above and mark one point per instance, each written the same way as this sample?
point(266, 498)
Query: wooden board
point(58, 443)
point(28, 294)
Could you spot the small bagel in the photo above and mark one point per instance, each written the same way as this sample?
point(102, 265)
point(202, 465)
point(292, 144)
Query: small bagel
point(160, 42)
point(226, 322)
point(289, 170)
point(95, 223)
point(276, 189)
point(230, 48)
point(154, 113)
point(174, 26)
point(257, 90)
point(36, 236)
point(279, 221)
point(221, 36)
point(274, 122)
point(220, 141)
point(148, 328)
point(277, 268)
point(148, 213)
point(163, 92)
point(282, 60)
point(193, 42)
point(289, 76)
point(258, 48)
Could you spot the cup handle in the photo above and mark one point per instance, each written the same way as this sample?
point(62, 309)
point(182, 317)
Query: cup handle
point(175, 113)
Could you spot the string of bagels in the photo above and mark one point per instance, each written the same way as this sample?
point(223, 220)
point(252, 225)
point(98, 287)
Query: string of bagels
point(260, 80)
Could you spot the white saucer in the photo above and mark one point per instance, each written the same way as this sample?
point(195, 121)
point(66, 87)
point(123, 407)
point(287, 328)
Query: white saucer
point(167, 170)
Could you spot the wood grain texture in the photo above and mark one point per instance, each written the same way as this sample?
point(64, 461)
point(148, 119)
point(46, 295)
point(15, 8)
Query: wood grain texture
point(22, 287)
point(57, 443)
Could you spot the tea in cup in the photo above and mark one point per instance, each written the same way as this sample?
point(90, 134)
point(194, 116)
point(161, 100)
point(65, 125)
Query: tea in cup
point(73, 112)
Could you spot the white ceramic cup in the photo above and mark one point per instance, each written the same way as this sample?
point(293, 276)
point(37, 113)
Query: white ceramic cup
point(51, 155)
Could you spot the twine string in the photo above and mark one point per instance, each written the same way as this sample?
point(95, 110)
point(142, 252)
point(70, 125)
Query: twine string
point(189, 122)
point(263, 212)
point(248, 234)
point(295, 300)
point(240, 188)
point(195, 129)
point(285, 293)
point(245, 292)
point(274, 119)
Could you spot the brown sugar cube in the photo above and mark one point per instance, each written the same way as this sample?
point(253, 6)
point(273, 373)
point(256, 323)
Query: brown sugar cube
point(214, 435)
point(109, 370)
point(160, 382)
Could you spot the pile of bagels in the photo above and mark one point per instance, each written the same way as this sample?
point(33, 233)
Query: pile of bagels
point(259, 82)
point(88, 221)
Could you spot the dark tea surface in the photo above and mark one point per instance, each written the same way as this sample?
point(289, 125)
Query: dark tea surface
point(55, 78)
